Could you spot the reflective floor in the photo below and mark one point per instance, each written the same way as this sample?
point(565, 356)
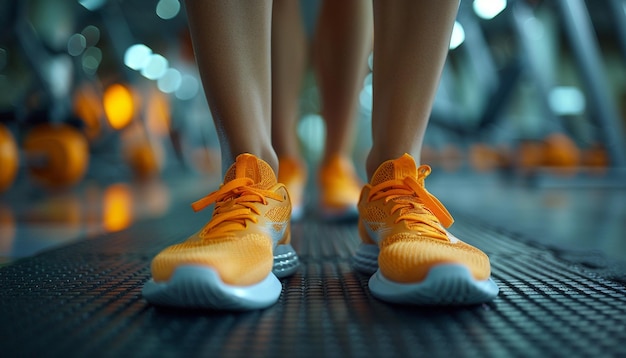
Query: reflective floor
point(33, 220)
point(528, 86)
point(562, 214)
point(555, 251)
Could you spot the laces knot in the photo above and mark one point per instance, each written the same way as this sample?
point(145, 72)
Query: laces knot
point(413, 201)
point(234, 205)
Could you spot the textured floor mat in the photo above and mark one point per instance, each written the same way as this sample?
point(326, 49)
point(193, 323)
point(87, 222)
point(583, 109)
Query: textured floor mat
point(84, 300)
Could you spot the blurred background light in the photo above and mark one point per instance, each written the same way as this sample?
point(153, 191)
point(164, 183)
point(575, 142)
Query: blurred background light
point(92, 35)
point(137, 56)
point(76, 44)
point(369, 79)
point(117, 207)
point(188, 88)
point(312, 134)
point(366, 98)
point(167, 9)
point(118, 105)
point(155, 67)
point(60, 73)
point(170, 81)
point(567, 101)
point(458, 35)
point(488, 9)
point(91, 60)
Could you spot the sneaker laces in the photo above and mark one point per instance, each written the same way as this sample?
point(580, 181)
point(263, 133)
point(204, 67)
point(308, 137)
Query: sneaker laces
point(413, 200)
point(234, 205)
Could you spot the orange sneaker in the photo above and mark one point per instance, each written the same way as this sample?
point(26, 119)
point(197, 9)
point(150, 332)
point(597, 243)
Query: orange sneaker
point(339, 189)
point(293, 173)
point(413, 259)
point(233, 262)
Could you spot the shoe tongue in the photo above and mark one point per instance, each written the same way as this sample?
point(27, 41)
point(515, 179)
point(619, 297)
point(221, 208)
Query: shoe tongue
point(249, 166)
point(395, 169)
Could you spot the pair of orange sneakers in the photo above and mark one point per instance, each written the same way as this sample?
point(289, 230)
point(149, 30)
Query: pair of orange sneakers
point(235, 261)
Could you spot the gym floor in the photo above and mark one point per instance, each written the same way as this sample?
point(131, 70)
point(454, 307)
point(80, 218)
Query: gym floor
point(73, 288)
point(550, 211)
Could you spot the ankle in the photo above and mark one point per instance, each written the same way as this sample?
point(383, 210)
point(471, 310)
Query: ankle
point(268, 156)
point(376, 158)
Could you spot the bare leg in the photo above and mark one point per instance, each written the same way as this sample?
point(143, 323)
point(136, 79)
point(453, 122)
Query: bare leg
point(404, 243)
point(342, 43)
point(232, 46)
point(406, 73)
point(289, 50)
point(234, 252)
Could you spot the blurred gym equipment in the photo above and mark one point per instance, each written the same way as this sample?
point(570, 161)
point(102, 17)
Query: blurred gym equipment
point(105, 139)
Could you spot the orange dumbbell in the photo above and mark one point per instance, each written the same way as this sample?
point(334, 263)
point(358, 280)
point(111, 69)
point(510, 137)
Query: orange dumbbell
point(9, 158)
point(483, 157)
point(56, 155)
point(557, 152)
point(561, 151)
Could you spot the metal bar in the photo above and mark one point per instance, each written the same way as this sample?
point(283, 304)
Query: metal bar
point(579, 30)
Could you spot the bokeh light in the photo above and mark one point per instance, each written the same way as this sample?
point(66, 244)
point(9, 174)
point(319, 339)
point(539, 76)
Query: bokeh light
point(567, 101)
point(155, 67)
point(458, 36)
point(137, 56)
point(170, 81)
point(117, 207)
point(76, 44)
point(91, 60)
point(488, 9)
point(189, 88)
point(91, 34)
point(118, 106)
point(167, 9)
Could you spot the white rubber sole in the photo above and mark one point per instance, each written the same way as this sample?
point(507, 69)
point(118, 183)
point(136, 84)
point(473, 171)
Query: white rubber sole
point(286, 261)
point(446, 284)
point(201, 287)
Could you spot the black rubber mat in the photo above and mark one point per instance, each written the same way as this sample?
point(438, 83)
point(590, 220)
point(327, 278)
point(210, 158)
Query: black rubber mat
point(84, 300)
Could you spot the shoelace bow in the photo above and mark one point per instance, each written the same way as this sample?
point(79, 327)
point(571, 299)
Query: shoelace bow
point(397, 190)
point(234, 204)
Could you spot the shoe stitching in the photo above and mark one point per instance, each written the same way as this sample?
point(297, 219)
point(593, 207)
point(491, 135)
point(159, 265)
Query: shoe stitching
point(412, 200)
point(235, 205)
